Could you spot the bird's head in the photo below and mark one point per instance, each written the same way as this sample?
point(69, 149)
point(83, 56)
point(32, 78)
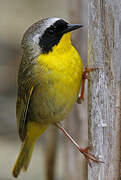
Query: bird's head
point(42, 36)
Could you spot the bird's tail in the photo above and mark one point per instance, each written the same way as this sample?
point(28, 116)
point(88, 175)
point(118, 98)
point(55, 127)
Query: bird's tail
point(26, 163)
point(23, 160)
point(24, 157)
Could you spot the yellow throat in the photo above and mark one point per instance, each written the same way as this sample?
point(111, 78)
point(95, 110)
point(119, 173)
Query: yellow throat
point(63, 68)
point(63, 55)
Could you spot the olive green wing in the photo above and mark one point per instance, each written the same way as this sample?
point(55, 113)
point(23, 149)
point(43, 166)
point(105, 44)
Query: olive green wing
point(22, 106)
point(26, 87)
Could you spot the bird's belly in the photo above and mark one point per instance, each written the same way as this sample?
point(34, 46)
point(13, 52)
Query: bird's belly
point(59, 78)
point(51, 102)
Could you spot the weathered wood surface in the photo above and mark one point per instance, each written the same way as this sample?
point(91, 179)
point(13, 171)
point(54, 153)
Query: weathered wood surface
point(104, 93)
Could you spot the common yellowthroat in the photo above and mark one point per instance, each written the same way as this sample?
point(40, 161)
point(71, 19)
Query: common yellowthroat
point(49, 81)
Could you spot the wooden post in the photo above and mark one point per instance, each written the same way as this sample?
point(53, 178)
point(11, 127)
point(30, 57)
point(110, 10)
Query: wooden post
point(104, 93)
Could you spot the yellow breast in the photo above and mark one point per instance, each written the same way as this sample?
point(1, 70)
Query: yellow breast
point(59, 73)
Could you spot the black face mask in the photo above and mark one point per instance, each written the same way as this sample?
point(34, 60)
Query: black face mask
point(52, 35)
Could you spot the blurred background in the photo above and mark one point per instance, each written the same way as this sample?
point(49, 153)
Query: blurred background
point(54, 158)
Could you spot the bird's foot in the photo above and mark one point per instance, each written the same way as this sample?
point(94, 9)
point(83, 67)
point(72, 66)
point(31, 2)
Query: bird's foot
point(83, 151)
point(85, 76)
point(89, 156)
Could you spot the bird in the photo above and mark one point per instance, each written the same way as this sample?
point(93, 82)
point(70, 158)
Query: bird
point(49, 81)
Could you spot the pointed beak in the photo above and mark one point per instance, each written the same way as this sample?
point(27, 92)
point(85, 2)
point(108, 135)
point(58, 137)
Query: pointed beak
point(72, 27)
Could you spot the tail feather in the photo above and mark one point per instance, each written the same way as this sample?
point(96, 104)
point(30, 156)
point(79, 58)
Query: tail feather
point(24, 157)
point(26, 163)
point(34, 130)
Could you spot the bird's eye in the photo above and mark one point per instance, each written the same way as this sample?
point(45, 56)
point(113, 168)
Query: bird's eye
point(51, 30)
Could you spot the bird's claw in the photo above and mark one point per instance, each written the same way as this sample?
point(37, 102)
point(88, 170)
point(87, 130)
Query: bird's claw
point(80, 100)
point(89, 156)
point(85, 75)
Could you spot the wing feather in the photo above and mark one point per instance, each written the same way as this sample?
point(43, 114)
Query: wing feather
point(26, 86)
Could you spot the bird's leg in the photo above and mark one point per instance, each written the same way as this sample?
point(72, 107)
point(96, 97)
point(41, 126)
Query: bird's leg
point(83, 151)
point(84, 77)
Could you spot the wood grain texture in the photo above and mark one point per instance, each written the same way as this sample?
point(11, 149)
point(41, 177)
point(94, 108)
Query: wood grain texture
point(104, 93)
